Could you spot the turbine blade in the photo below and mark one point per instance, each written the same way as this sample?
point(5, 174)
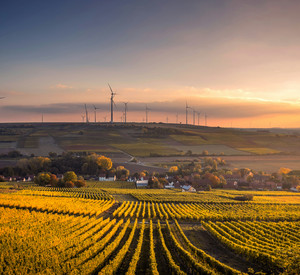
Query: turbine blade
point(110, 88)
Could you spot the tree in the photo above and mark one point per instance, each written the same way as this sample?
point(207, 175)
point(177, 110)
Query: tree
point(53, 180)
point(163, 181)
point(122, 172)
point(284, 171)
point(104, 163)
point(153, 182)
point(70, 176)
point(90, 166)
point(173, 170)
point(197, 168)
point(244, 171)
point(215, 181)
point(80, 182)
point(42, 178)
point(69, 184)
point(34, 165)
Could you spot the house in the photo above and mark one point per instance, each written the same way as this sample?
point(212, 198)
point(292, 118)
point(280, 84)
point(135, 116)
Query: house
point(188, 188)
point(170, 185)
point(142, 182)
point(293, 189)
point(103, 177)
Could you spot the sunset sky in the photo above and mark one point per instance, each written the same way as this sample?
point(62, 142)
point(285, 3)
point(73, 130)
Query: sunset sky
point(237, 61)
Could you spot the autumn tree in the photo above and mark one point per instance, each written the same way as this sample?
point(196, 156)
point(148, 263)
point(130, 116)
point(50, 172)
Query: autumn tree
point(173, 170)
point(284, 171)
point(42, 179)
point(80, 182)
point(34, 165)
point(70, 176)
point(153, 182)
point(104, 163)
point(122, 172)
point(53, 180)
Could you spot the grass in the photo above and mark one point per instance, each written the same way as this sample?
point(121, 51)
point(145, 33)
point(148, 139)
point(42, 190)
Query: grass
point(8, 138)
point(260, 151)
point(31, 142)
point(146, 149)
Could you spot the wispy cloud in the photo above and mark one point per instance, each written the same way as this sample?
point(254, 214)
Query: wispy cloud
point(62, 86)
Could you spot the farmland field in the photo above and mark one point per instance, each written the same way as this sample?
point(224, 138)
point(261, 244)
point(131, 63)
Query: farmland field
point(107, 229)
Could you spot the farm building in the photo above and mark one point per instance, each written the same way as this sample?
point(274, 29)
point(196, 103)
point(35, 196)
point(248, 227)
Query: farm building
point(188, 188)
point(141, 182)
point(103, 177)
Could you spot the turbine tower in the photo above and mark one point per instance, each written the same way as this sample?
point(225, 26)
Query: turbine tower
point(125, 111)
point(112, 103)
point(198, 114)
point(95, 111)
point(147, 110)
point(186, 112)
point(176, 118)
point(205, 119)
point(83, 116)
point(86, 114)
point(194, 113)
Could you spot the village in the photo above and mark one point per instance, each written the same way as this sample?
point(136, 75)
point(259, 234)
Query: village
point(201, 174)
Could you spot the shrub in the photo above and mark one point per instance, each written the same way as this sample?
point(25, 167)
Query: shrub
point(80, 183)
point(246, 197)
point(69, 184)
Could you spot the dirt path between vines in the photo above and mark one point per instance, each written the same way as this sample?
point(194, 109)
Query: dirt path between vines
point(203, 240)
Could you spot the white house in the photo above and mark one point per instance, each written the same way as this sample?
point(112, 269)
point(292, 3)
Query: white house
point(104, 178)
point(170, 185)
point(141, 182)
point(188, 188)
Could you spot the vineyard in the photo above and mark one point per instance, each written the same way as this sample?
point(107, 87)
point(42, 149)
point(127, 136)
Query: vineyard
point(89, 231)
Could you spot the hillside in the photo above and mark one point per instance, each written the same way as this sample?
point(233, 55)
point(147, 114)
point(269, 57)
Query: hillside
point(143, 140)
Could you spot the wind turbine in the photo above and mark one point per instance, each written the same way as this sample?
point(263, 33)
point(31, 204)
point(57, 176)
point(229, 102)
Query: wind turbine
point(86, 114)
point(125, 111)
point(176, 118)
point(205, 119)
point(105, 118)
point(83, 116)
point(112, 103)
point(198, 113)
point(147, 110)
point(186, 112)
point(95, 110)
point(194, 113)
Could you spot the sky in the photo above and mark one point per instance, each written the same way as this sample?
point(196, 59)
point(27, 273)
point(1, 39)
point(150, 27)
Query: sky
point(235, 61)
